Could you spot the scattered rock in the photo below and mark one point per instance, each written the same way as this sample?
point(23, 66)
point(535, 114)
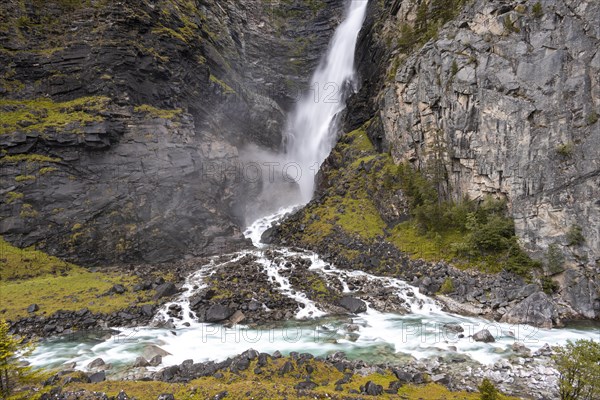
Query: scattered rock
point(353, 304)
point(97, 377)
point(373, 389)
point(484, 336)
point(165, 290)
point(33, 308)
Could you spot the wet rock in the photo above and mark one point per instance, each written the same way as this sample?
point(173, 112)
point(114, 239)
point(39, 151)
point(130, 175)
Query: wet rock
point(353, 304)
point(453, 328)
point(165, 290)
point(155, 361)
point(98, 362)
point(217, 313)
point(141, 362)
point(484, 336)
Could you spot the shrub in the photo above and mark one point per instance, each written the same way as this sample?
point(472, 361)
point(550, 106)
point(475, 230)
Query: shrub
point(592, 118)
point(447, 286)
point(548, 285)
point(579, 367)
point(575, 236)
point(488, 391)
point(537, 10)
point(554, 259)
point(565, 150)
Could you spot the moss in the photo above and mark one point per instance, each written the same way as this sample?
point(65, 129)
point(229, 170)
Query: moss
point(29, 158)
point(565, 150)
point(12, 197)
point(447, 286)
point(537, 10)
point(27, 211)
point(47, 170)
point(224, 86)
point(592, 118)
point(158, 112)
point(24, 178)
point(25, 263)
point(42, 114)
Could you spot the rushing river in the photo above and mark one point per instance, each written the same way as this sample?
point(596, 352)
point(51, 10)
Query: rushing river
point(381, 337)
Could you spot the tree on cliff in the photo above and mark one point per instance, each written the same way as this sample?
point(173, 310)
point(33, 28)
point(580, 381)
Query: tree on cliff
point(579, 367)
point(12, 371)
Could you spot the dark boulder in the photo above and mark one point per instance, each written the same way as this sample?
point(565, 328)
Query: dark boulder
point(484, 336)
point(165, 290)
point(353, 304)
point(218, 313)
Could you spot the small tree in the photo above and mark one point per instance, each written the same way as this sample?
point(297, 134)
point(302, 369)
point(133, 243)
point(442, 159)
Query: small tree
point(488, 391)
point(579, 367)
point(11, 370)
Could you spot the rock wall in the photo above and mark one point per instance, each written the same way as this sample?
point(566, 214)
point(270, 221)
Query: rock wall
point(122, 121)
point(503, 101)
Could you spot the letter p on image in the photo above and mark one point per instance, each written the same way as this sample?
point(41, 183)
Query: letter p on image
point(410, 330)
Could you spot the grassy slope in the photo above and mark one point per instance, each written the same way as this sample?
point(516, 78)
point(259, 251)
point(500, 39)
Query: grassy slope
point(270, 384)
point(29, 276)
point(349, 205)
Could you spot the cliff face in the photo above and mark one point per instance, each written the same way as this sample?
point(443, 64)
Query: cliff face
point(504, 100)
point(122, 121)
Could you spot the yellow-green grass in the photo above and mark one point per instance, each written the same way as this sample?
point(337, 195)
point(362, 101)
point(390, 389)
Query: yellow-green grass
point(158, 112)
point(42, 113)
point(270, 385)
point(30, 276)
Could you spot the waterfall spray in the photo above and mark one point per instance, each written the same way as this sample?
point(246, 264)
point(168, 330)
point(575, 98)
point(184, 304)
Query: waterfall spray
point(312, 126)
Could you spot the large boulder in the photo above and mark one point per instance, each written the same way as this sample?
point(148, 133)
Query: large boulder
point(537, 310)
point(165, 290)
point(353, 304)
point(484, 336)
point(218, 313)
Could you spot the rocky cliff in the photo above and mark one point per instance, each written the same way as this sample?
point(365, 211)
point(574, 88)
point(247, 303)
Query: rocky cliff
point(121, 122)
point(483, 99)
point(505, 102)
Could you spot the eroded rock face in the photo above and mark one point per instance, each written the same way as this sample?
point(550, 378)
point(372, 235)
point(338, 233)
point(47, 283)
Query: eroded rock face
point(537, 310)
point(503, 102)
point(144, 162)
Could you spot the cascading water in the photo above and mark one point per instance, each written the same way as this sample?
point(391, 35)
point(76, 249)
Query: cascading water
point(380, 337)
point(311, 127)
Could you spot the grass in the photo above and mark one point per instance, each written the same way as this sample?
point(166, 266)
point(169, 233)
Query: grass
point(29, 158)
point(30, 276)
point(271, 384)
point(226, 88)
point(158, 112)
point(42, 114)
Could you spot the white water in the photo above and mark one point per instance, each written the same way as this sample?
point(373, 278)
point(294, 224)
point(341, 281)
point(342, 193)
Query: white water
point(312, 125)
point(381, 336)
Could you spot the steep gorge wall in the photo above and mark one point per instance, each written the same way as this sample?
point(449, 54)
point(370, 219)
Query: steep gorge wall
point(503, 101)
point(121, 122)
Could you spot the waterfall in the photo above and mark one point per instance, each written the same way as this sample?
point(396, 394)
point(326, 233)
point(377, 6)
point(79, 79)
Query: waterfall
point(312, 125)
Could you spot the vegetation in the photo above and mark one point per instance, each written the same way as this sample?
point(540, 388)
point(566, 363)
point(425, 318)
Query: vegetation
point(431, 16)
point(537, 10)
point(470, 234)
point(42, 114)
point(555, 259)
point(12, 372)
point(28, 158)
point(488, 390)
point(224, 86)
point(565, 150)
point(592, 118)
point(271, 384)
point(447, 286)
point(30, 276)
point(579, 367)
point(157, 112)
point(575, 236)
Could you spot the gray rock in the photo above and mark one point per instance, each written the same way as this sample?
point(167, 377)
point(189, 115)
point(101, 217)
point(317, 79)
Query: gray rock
point(33, 308)
point(373, 389)
point(217, 313)
point(97, 377)
point(484, 336)
point(353, 304)
point(166, 396)
point(165, 290)
point(537, 310)
point(98, 362)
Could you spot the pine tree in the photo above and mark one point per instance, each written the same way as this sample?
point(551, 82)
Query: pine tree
point(11, 370)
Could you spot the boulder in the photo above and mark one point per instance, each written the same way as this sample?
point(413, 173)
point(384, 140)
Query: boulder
point(484, 336)
point(306, 385)
point(373, 389)
point(218, 313)
point(537, 310)
point(32, 308)
point(353, 304)
point(165, 290)
point(98, 362)
point(97, 377)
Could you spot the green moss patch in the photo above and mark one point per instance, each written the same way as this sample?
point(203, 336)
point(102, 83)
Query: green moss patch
point(158, 112)
point(42, 114)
